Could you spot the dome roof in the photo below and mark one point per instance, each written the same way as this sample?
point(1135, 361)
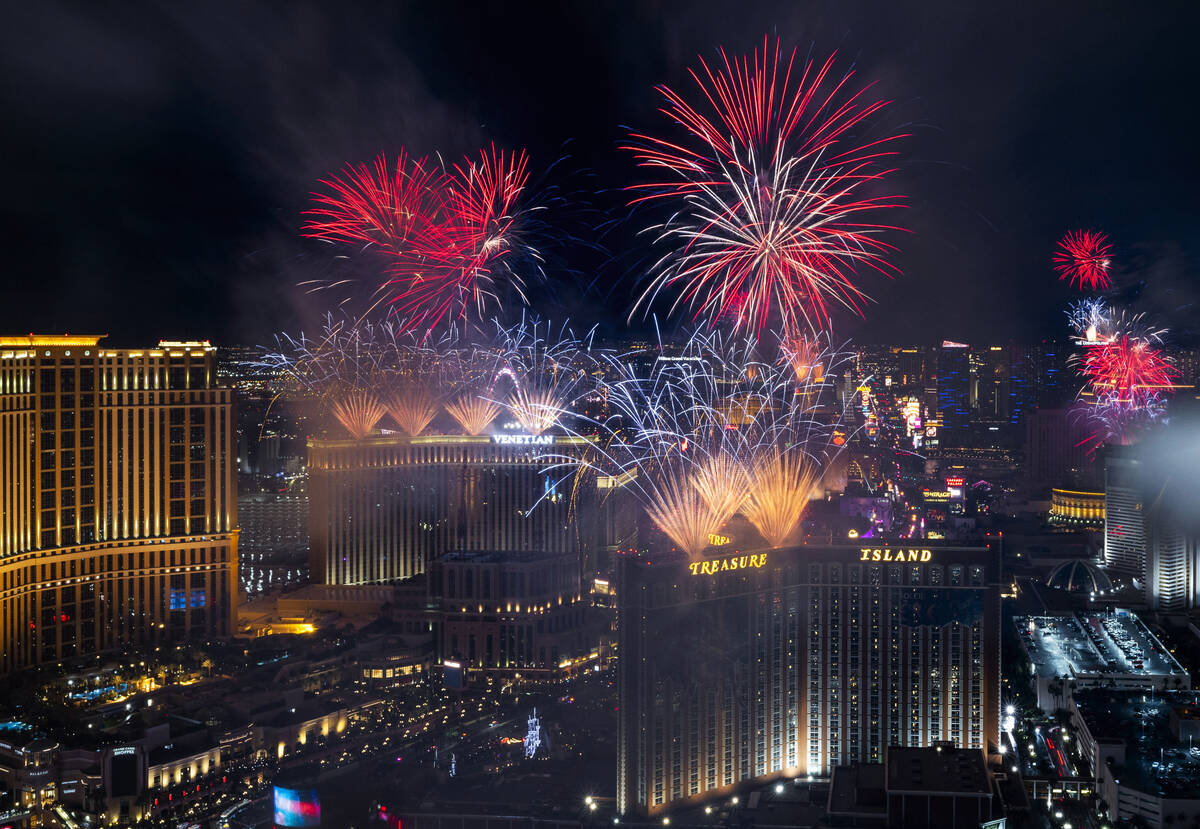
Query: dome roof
point(1079, 576)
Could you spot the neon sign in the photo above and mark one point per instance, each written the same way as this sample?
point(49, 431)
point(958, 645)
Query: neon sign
point(888, 554)
point(523, 440)
point(713, 566)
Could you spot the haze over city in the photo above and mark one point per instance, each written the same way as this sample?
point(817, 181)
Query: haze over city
point(471, 416)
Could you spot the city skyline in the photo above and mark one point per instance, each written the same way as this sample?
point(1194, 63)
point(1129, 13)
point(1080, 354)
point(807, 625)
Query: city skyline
point(655, 413)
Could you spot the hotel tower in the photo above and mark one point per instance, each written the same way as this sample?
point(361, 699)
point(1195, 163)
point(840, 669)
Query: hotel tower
point(383, 508)
point(118, 502)
point(747, 666)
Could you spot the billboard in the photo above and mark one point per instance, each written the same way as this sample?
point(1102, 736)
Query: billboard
point(124, 772)
point(297, 807)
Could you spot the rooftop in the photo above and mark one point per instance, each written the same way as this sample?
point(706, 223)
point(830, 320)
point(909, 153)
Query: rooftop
point(938, 768)
point(1095, 645)
point(1155, 761)
point(396, 438)
point(51, 340)
point(858, 790)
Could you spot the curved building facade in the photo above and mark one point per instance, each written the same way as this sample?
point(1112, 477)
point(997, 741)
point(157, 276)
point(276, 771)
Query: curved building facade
point(118, 509)
point(383, 507)
point(1077, 509)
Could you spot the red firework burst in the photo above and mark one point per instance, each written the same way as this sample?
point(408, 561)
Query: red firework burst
point(467, 249)
point(772, 173)
point(1083, 259)
point(375, 205)
point(447, 236)
point(1127, 372)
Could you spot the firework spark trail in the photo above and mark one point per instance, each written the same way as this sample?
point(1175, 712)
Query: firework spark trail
point(536, 409)
point(548, 369)
point(472, 412)
point(781, 484)
point(454, 242)
point(1083, 259)
point(381, 205)
point(1127, 378)
point(476, 245)
point(413, 408)
point(721, 480)
point(1127, 371)
point(346, 355)
point(696, 439)
point(346, 358)
point(358, 411)
point(772, 193)
point(1090, 319)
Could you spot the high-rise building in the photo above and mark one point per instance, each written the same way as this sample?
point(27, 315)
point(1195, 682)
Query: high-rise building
point(1124, 514)
point(746, 666)
point(1172, 565)
point(118, 510)
point(992, 404)
point(273, 544)
point(1172, 522)
point(383, 507)
point(954, 393)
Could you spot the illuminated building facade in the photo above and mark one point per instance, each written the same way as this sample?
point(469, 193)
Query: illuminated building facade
point(1172, 560)
point(788, 662)
point(1124, 514)
point(383, 507)
point(502, 613)
point(1076, 509)
point(118, 508)
point(954, 392)
point(273, 544)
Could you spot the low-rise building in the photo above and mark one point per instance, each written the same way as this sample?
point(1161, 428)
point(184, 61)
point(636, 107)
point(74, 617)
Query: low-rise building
point(1085, 650)
point(1144, 770)
point(921, 787)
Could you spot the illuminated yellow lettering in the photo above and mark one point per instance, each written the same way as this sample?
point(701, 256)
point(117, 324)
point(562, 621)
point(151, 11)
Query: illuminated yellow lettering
point(876, 555)
point(710, 567)
point(866, 555)
point(926, 555)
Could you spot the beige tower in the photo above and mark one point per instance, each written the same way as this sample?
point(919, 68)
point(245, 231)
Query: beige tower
point(118, 501)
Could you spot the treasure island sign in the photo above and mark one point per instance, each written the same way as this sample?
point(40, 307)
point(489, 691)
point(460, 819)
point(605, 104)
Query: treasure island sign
point(755, 561)
point(713, 566)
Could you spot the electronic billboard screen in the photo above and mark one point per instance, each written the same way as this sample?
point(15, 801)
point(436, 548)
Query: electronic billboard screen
point(297, 808)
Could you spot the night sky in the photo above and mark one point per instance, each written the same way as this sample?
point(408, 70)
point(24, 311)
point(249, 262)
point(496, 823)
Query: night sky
point(158, 157)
